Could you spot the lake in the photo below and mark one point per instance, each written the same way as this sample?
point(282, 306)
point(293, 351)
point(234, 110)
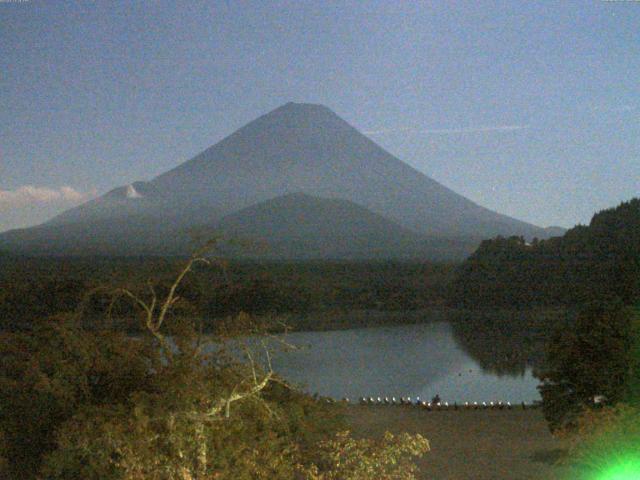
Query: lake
point(411, 360)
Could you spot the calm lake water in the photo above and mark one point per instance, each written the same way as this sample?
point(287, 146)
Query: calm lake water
point(411, 360)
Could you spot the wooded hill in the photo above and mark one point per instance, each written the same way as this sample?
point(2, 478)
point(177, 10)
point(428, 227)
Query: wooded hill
point(598, 261)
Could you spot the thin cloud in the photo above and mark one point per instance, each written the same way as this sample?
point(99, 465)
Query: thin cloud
point(613, 108)
point(449, 131)
point(31, 195)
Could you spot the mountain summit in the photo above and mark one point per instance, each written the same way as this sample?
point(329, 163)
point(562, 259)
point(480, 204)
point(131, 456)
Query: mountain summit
point(296, 148)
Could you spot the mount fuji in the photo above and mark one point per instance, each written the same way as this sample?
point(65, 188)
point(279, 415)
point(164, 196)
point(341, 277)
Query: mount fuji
point(304, 153)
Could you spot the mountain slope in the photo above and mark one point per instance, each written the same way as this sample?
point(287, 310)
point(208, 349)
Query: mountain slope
point(127, 236)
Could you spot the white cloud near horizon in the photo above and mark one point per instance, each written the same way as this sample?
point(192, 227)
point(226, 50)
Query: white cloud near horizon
point(449, 131)
point(30, 195)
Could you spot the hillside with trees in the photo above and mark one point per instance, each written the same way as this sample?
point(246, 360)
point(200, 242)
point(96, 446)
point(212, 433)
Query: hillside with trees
point(601, 260)
point(590, 351)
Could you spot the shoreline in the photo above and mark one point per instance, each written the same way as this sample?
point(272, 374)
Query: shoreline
point(337, 319)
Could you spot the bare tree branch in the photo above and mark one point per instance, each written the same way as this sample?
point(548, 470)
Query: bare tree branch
point(225, 403)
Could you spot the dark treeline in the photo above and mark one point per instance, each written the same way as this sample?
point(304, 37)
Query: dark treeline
point(601, 260)
point(35, 288)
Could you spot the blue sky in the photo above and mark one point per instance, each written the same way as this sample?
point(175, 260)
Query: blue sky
point(528, 108)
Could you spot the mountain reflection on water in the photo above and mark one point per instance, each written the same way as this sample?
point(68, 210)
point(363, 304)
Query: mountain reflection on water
point(473, 357)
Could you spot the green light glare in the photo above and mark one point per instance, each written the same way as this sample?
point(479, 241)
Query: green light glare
point(627, 469)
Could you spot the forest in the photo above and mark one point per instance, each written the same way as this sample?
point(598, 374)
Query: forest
point(34, 288)
point(588, 364)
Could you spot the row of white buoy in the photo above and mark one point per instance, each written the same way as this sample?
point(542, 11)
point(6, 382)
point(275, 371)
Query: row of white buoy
point(442, 405)
point(408, 401)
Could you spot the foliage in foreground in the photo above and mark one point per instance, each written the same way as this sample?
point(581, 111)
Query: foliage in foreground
point(103, 405)
point(344, 458)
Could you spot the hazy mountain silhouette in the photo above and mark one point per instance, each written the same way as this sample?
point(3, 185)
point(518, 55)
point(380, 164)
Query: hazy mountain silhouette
point(302, 226)
point(295, 148)
point(293, 226)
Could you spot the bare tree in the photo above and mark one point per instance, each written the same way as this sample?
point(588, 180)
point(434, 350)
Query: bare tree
point(155, 312)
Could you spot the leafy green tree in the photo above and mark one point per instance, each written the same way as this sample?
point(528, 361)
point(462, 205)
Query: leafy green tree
point(47, 375)
point(591, 359)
